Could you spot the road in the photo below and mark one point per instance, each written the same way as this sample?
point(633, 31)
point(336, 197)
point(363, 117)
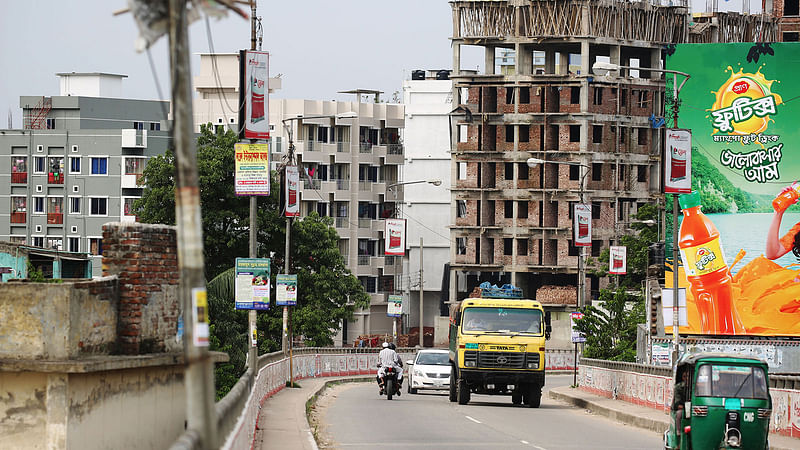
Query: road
point(354, 416)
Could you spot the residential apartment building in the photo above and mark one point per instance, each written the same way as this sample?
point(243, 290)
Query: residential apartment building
point(427, 97)
point(77, 163)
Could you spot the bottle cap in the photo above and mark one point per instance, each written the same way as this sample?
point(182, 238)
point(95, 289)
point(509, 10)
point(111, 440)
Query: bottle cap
point(689, 200)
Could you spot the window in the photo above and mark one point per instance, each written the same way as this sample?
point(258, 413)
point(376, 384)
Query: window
point(641, 174)
point(597, 172)
point(575, 95)
point(38, 205)
point(138, 125)
point(55, 243)
point(510, 96)
point(596, 210)
point(73, 244)
point(522, 210)
point(461, 246)
point(597, 134)
point(791, 8)
point(621, 173)
point(463, 133)
point(574, 133)
point(522, 247)
point(522, 173)
point(127, 206)
point(95, 246)
point(51, 124)
point(508, 246)
point(508, 207)
point(19, 164)
point(574, 172)
point(642, 101)
point(509, 133)
point(524, 95)
point(98, 206)
point(369, 283)
point(598, 96)
point(74, 205)
point(156, 126)
point(462, 171)
point(74, 164)
point(623, 97)
point(572, 250)
point(18, 204)
point(509, 171)
point(791, 37)
point(322, 209)
point(524, 133)
point(37, 241)
point(642, 136)
point(99, 165)
point(461, 208)
point(596, 247)
point(38, 164)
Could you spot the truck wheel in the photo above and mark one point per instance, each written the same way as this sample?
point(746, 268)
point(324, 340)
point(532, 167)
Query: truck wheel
point(389, 388)
point(516, 399)
point(533, 396)
point(453, 396)
point(462, 391)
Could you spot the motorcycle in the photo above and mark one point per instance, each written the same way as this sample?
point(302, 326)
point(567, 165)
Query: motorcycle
point(390, 385)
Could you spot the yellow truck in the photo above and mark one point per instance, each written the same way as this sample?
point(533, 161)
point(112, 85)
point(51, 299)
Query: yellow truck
point(497, 348)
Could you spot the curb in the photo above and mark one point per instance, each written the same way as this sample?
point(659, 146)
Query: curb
point(620, 416)
point(312, 401)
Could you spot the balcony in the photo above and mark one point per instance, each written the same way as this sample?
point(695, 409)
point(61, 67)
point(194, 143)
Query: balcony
point(313, 184)
point(19, 217)
point(394, 149)
point(389, 260)
point(133, 138)
point(365, 186)
point(365, 147)
point(342, 147)
point(19, 177)
point(342, 185)
point(55, 218)
point(342, 222)
point(55, 178)
point(364, 260)
point(364, 222)
point(132, 180)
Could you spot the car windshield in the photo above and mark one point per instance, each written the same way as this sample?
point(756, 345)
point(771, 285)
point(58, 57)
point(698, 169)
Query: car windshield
point(502, 320)
point(731, 381)
point(433, 359)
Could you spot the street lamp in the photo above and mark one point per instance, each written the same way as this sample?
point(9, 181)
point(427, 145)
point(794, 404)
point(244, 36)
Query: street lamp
point(603, 68)
point(435, 182)
point(533, 162)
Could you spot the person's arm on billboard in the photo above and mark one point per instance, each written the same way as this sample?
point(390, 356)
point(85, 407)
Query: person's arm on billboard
point(777, 246)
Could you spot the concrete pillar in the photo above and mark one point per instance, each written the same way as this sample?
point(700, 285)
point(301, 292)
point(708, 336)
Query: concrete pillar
point(563, 63)
point(584, 134)
point(488, 59)
point(614, 54)
point(57, 406)
point(586, 63)
point(550, 62)
point(524, 59)
point(655, 62)
point(456, 58)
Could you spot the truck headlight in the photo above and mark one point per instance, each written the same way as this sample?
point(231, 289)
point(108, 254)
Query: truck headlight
point(469, 363)
point(533, 365)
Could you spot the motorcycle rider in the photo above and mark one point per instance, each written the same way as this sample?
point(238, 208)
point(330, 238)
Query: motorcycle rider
point(389, 358)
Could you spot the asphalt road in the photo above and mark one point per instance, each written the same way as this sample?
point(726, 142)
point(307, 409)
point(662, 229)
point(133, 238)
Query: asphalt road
point(354, 416)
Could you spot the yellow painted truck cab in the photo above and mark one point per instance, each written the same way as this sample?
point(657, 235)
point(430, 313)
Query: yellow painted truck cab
point(497, 348)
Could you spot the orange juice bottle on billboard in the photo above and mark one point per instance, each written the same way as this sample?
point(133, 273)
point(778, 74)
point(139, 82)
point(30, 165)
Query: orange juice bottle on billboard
point(706, 270)
point(786, 198)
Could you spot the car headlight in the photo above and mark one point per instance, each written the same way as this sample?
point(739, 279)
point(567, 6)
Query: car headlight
point(418, 373)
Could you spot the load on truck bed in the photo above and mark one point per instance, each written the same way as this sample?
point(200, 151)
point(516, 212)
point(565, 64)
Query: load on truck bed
point(497, 347)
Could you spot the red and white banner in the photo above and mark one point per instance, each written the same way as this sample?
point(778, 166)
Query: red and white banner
point(678, 161)
point(254, 94)
point(617, 262)
point(395, 237)
point(292, 200)
point(582, 225)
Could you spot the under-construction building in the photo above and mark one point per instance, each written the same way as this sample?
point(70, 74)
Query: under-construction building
point(598, 136)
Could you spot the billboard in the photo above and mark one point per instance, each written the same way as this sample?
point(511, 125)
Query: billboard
point(254, 94)
point(617, 261)
point(678, 161)
point(285, 290)
point(252, 176)
point(394, 307)
point(394, 235)
point(292, 182)
point(582, 225)
point(743, 125)
point(251, 290)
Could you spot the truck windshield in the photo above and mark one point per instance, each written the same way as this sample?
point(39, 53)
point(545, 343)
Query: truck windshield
point(731, 381)
point(502, 320)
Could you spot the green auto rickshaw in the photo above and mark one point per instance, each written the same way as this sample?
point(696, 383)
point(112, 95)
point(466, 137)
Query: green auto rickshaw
point(721, 401)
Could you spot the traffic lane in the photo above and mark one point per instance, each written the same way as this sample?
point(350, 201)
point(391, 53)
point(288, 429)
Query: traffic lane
point(359, 418)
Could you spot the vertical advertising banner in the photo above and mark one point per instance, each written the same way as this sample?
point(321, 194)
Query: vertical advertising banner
point(582, 225)
point(252, 283)
point(292, 202)
point(678, 161)
point(617, 262)
point(254, 94)
point(285, 290)
point(394, 235)
point(252, 176)
point(736, 235)
point(577, 336)
point(200, 332)
point(395, 306)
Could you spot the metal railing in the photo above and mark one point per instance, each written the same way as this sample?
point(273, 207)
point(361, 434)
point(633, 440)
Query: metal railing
point(365, 147)
point(343, 147)
point(342, 185)
point(313, 184)
point(342, 222)
point(363, 260)
point(364, 222)
point(394, 149)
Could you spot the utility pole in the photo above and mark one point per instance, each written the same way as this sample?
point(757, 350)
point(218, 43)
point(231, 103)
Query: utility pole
point(199, 375)
point(253, 253)
point(421, 297)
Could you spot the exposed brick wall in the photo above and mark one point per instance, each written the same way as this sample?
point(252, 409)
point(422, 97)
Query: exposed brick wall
point(145, 259)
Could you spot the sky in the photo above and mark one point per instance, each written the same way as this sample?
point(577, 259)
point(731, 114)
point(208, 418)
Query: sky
point(319, 47)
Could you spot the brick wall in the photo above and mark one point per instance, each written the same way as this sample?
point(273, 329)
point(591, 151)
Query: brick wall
point(144, 257)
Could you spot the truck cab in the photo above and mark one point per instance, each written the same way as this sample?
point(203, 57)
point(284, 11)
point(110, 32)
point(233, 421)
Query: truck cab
point(497, 347)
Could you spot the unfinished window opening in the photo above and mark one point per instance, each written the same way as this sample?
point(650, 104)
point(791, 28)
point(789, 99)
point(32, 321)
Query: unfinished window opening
point(597, 134)
point(623, 97)
point(574, 172)
point(462, 171)
point(575, 95)
point(510, 96)
point(791, 8)
point(524, 133)
point(509, 169)
point(524, 95)
point(598, 96)
point(522, 173)
point(573, 250)
point(574, 133)
point(597, 172)
point(595, 210)
point(508, 246)
point(641, 174)
point(461, 208)
point(622, 173)
point(522, 247)
point(597, 246)
point(461, 246)
point(642, 99)
point(508, 207)
point(641, 136)
point(509, 133)
point(522, 210)
point(791, 36)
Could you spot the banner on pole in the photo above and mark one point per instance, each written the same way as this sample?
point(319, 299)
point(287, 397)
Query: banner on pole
point(285, 290)
point(252, 283)
point(618, 264)
point(292, 181)
point(678, 161)
point(395, 306)
point(252, 174)
point(254, 94)
point(577, 336)
point(582, 225)
point(395, 237)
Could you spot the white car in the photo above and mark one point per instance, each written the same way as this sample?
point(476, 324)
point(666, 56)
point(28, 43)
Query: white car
point(429, 370)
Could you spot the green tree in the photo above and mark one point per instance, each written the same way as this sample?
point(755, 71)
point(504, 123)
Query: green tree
point(611, 331)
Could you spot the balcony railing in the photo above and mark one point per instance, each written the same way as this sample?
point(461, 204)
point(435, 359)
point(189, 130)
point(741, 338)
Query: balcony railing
point(342, 185)
point(18, 217)
point(394, 149)
point(364, 222)
point(363, 260)
point(365, 147)
point(311, 146)
point(314, 184)
point(19, 177)
point(55, 218)
point(365, 185)
point(388, 260)
point(55, 178)
point(342, 147)
point(342, 222)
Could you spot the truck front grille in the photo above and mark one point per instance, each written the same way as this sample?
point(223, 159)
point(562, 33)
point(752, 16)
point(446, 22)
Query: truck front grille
point(501, 360)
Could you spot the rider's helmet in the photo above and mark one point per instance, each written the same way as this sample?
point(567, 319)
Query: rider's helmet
point(385, 344)
point(392, 346)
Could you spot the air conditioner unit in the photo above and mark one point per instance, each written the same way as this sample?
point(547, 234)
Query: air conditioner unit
point(74, 149)
point(40, 148)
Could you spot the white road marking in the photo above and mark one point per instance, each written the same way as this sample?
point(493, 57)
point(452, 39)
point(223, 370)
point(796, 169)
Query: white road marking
point(525, 442)
point(470, 418)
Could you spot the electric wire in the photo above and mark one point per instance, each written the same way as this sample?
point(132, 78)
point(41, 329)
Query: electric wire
point(218, 79)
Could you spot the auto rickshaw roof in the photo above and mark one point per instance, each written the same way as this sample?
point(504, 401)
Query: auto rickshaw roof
point(694, 358)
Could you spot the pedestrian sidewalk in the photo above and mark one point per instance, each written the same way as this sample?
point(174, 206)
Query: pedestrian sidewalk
point(640, 416)
point(282, 421)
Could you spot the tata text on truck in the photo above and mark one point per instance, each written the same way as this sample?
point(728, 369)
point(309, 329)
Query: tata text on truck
point(497, 346)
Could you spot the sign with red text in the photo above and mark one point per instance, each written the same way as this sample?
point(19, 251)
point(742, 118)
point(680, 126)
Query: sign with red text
point(252, 175)
point(254, 94)
point(395, 237)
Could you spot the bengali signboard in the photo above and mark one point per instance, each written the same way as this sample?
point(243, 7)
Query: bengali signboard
point(582, 225)
point(618, 260)
point(394, 307)
point(252, 283)
point(394, 235)
point(577, 336)
point(678, 161)
point(292, 205)
point(254, 94)
point(744, 131)
point(252, 176)
point(285, 290)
